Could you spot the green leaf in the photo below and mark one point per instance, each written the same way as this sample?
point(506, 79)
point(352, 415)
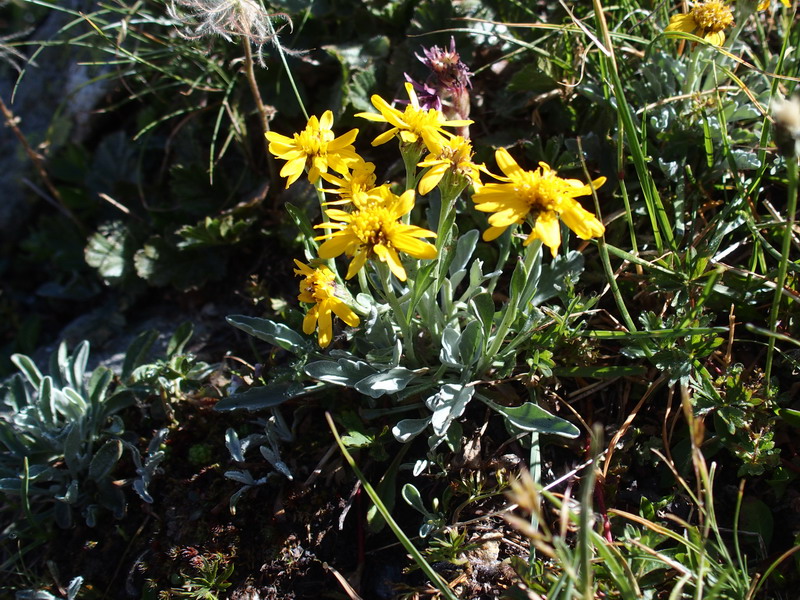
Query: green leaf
point(28, 369)
point(530, 417)
point(77, 365)
point(259, 398)
point(448, 404)
point(342, 372)
point(105, 459)
point(407, 429)
point(180, 338)
point(276, 334)
point(386, 382)
point(470, 346)
point(483, 308)
point(465, 247)
point(109, 251)
point(45, 402)
point(412, 497)
point(137, 352)
point(449, 354)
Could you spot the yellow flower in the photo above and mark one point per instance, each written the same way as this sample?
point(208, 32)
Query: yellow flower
point(315, 148)
point(413, 123)
point(376, 230)
point(318, 287)
point(353, 186)
point(540, 197)
point(706, 19)
point(454, 156)
point(765, 4)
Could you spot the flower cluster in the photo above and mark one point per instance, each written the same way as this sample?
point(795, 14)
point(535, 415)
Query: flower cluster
point(370, 224)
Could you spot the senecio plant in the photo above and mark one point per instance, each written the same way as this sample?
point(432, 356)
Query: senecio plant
point(422, 325)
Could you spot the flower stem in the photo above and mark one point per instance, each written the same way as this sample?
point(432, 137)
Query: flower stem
point(791, 208)
point(400, 317)
point(263, 113)
point(511, 310)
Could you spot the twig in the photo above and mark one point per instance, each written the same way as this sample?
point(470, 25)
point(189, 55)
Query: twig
point(38, 163)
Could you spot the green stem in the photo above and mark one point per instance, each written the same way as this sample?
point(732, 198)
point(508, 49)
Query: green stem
point(282, 54)
point(791, 208)
point(510, 313)
point(401, 318)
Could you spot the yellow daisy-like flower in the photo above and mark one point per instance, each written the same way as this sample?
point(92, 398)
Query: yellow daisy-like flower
point(352, 187)
point(540, 197)
point(765, 4)
point(707, 20)
point(376, 230)
point(318, 287)
point(315, 149)
point(454, 156)
point(413, 123)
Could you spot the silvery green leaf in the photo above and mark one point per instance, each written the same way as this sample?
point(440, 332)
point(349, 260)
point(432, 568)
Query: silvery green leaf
point(470, 346)
point(98, 385)
point(140, 487)
point(243, 477)
point(158, 439)
point(482, 306)
point(386, 382)
point(73, 587)
point(449, 354)
point(28, 369)
point(476, 277)
point(90, 514)
point(116, 426)
point(275, 460)
point(276, 334)
point(419, 467)
point(73, 445)
point(233, 445)
point(412, 497)
point(463, 252)
point(75, 406)
point(71, 495)
point(105, 459)
point(8, 437)
point(45, 402)
point(77, 365)
point(407, 429)
point(454, 435)
point(235, 498)
point(448, 404)
point(16, 395)
point(259, 398)
point(530, 417)
point(344, 371)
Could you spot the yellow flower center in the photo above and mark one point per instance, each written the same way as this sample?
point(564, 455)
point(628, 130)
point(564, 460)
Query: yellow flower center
point(368, 225)
point(321, 284)
point(712, 16)
point(313, 141)
point(419, 120)
point(541, 191)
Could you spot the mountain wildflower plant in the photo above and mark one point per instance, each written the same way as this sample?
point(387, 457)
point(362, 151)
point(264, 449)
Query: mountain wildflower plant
point(421, 332)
